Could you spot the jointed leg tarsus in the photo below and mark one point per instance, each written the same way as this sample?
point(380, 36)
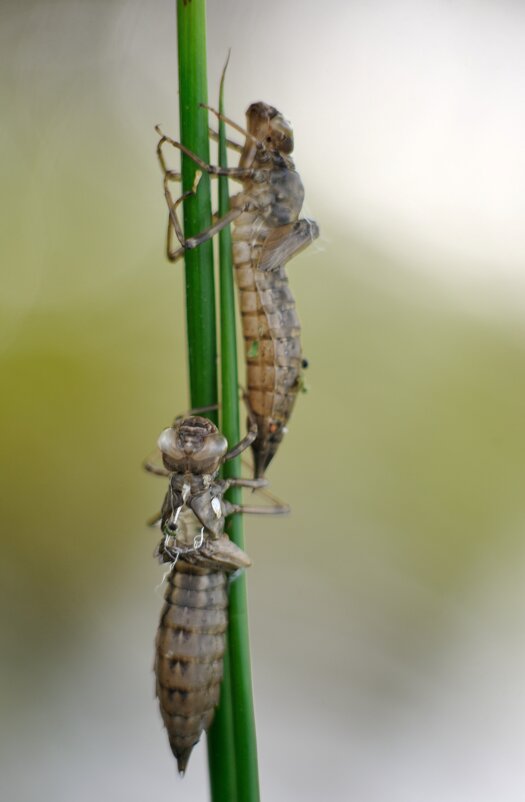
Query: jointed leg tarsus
point(241, 173)
point(254, 484)
point(280, 509)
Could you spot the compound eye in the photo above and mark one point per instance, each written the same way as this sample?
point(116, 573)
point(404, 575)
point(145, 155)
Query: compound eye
point(215, 447)
point(283, 134)
point(167, 443)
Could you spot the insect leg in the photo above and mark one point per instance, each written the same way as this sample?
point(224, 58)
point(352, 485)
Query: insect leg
point(203, 236)
point(229, 143)
point(173, 220)
point(242, 445)
point(233, 124)
point(277, 509)
point(156, 470)
point(239, 173)
point(255, 484)
point(246, 441)
point(174, 225)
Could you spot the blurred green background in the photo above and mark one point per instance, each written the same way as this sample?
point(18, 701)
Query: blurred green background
point(386, 611)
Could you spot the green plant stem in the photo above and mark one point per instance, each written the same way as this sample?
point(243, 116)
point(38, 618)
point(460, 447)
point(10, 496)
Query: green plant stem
point(221, 744)
point(200, 315)
point(232, 752)
point(238, 638)
point(200, 291)
point(222, 750)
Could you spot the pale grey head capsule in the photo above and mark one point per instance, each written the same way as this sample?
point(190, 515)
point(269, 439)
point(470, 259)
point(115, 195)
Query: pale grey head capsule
point(269, 127)
point(192, 445)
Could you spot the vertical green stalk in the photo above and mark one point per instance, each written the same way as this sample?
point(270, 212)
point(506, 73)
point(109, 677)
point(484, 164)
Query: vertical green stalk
point(200, 310)
point(222, 750)
point(239, 648)
point(231, 741)
point(200, 291)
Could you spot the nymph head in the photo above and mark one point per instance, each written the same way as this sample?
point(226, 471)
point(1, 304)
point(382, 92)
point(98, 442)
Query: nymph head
point(192, 445)
point(269, 127)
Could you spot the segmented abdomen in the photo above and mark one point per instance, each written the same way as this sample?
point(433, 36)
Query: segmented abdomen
point(189, 654)
point(272, 343)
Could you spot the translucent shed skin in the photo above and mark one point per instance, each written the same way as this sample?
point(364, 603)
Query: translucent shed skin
point(267, 234)
point(191, 636)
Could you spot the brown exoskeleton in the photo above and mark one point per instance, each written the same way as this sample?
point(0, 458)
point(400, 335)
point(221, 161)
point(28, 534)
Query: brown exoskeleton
point(267, 234)
point(191, 636)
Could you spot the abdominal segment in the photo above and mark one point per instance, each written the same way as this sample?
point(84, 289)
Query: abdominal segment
point(189, 654)
point(272, 342)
